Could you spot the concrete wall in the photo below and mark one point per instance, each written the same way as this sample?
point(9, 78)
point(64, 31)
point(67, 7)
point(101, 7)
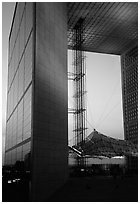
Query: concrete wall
point(50, 123)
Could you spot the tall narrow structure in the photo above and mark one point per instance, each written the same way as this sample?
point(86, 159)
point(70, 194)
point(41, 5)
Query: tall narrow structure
point(79, 73)
point(129, 62)
point(37, 94)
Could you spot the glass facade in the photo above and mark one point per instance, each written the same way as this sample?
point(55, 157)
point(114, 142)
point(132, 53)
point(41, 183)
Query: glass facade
point(19, 96)
point(130, 94)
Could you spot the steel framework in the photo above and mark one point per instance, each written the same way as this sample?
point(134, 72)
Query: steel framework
point(79, 77)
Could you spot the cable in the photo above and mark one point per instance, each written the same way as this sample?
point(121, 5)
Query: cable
point(86, 119)
point(107, 102)
point(90, 110)
point(109, 113)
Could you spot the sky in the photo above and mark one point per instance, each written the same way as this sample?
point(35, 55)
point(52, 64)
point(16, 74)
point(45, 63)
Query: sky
point(104, 95)
point(104, 100)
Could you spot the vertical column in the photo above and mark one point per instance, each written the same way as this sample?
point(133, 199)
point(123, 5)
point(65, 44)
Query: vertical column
point(50, 126)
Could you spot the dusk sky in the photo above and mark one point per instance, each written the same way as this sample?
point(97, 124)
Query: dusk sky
point(104, 102)
point(104, 96)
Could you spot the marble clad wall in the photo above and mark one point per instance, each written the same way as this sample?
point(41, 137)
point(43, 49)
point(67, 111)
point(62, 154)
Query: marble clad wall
point(50, 121)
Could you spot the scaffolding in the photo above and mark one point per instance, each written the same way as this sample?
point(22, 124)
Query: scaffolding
point(79, 78)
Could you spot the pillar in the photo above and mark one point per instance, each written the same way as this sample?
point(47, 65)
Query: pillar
point(50, 101)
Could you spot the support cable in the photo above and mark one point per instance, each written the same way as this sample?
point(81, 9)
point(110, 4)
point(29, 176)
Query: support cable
point(108, 102)
point(114, 107)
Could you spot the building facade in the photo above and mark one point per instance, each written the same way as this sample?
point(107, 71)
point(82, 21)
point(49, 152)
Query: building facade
point(37, 94)
point(129, 65)
point(20, 67)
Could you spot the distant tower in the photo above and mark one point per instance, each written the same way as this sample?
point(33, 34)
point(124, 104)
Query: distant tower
point(129, 62)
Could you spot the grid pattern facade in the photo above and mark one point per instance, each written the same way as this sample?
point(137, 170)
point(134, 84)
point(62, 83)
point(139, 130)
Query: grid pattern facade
point(19, 96)
point(109, 27)
point(130, 94)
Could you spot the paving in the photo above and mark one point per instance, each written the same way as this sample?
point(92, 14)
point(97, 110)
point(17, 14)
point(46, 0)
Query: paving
point(98, 189)
point(82, 189)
